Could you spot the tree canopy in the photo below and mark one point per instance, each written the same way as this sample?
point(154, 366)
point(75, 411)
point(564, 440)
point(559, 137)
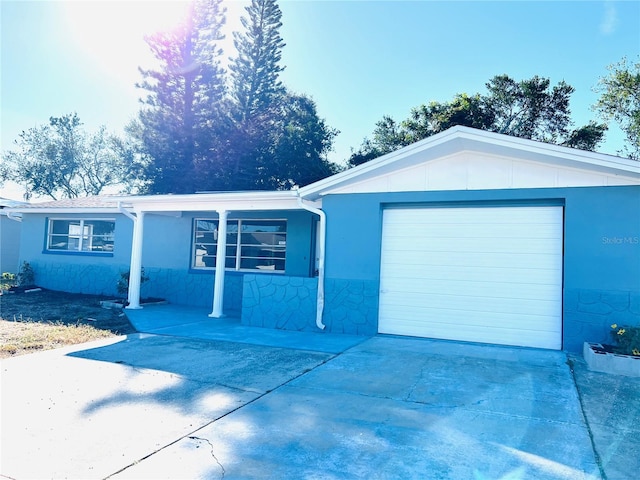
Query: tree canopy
point(202, 128)
point(620, 101)
point(531, 109)
point(183, 112)
point(62, 160)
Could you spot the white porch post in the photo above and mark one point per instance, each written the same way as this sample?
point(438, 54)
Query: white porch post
point(135, 268)
point(221, 254)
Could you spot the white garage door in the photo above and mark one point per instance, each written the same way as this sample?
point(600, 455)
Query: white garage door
point(491, 275)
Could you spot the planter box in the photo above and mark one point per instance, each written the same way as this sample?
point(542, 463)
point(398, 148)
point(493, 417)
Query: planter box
point(111, 304)
point(599, 360)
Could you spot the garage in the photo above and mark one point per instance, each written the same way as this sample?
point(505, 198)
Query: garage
point(479, 274)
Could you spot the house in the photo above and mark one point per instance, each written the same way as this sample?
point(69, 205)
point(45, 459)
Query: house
point(9, 237)
point(466, 235)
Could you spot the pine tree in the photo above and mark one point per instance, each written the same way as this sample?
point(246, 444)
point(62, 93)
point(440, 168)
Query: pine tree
point(184, 108)
point(278, 139)
point(255, 71)
point(255, 92)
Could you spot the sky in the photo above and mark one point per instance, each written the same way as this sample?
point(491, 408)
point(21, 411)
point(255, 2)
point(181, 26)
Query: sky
point(358, 59)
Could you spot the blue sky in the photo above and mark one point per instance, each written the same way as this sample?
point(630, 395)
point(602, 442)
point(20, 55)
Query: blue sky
point(359, 60)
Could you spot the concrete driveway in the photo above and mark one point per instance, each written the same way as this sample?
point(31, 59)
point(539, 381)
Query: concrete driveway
point(153, 406)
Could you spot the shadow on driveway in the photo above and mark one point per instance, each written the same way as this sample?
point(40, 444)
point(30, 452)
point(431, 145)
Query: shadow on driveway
point(390, 407)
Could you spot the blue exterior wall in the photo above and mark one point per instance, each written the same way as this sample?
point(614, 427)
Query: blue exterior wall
point(601, 260)
point(166, 258)
point(601, 253)
point(75, 272)
point(9, 244)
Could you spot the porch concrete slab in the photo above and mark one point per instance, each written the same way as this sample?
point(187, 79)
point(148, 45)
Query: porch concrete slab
point(612, 407)
point(193, 322)
point(88, 411)
point(395, 407)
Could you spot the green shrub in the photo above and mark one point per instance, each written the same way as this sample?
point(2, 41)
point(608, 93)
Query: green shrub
point(626, 339)
point(7, 280)
point(123, 282)
point(26, 275)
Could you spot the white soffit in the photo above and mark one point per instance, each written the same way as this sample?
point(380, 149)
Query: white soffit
point(467, 158)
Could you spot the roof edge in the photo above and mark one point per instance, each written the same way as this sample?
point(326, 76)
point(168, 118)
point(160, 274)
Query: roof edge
point(582, 157)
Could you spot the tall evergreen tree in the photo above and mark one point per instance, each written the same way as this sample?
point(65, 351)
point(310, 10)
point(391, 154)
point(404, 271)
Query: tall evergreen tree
point(278, 139)
point(256, 91)
point(184, 107)
point(256, 69)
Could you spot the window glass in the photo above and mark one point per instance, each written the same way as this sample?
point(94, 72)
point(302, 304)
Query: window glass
point(251, 244)
point(81, 235)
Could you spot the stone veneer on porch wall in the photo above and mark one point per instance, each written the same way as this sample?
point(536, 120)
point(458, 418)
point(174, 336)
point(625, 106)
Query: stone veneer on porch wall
point(289, 303)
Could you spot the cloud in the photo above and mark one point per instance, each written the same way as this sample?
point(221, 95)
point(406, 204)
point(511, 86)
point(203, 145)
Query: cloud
point(609, 20)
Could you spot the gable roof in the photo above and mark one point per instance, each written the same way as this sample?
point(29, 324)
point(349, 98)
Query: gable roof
point(483, 145)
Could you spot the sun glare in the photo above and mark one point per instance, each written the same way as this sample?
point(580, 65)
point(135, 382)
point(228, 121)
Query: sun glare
point(111, 33)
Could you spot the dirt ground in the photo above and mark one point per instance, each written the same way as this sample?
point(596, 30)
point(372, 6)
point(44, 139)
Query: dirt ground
point(35, 320)
point(67, 308)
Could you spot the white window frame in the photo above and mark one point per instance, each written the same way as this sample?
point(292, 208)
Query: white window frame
point(82, 233)
point(238, 257)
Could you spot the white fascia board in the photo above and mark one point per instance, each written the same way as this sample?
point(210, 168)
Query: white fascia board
point(65, 210)
point(233, 201)
point(506, 145)
point(459, 139)
point(388, 162)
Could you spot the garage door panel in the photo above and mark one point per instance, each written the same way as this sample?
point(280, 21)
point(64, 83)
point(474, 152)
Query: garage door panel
point(486, 289)
point(453, 245)
point(485, 335)
point(487, 274)
point(489, 328)
point(476, 215)
point(478, 259)
point(511, 231)
point(468, 303)
point(536, 327)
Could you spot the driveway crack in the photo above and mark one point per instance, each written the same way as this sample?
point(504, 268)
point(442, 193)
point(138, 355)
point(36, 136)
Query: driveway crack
point(570, 362)
point(201, 439)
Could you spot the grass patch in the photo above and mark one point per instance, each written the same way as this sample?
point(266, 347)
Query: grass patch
point(20, 337)
point(31, 322)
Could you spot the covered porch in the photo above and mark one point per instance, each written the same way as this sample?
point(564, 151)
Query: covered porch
point(298, 248)
point(193, 322)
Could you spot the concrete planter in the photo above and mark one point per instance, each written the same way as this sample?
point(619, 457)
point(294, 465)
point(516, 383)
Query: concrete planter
point(120, 304)
point(600, 360)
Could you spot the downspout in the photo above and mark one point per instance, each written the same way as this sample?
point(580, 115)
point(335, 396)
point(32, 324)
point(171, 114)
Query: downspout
point(13, 216)
point(126, 212)
point(322, 234)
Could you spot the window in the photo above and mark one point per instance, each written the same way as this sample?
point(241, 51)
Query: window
point(80, 235)
point(251, 244)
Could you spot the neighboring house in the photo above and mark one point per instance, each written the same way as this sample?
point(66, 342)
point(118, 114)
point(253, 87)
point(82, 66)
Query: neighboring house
point(9, 236)
point(466, 235)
